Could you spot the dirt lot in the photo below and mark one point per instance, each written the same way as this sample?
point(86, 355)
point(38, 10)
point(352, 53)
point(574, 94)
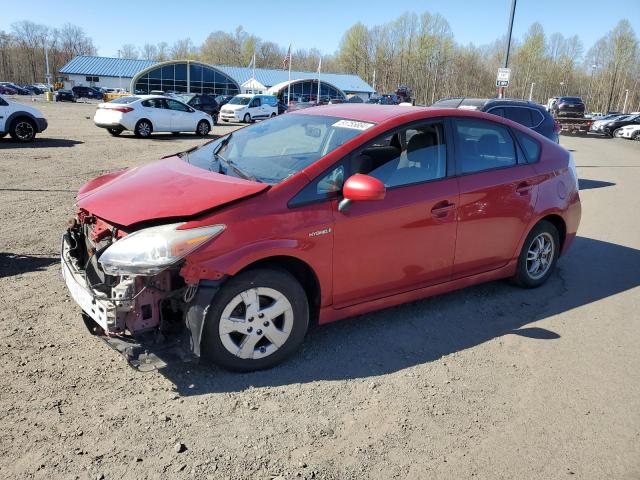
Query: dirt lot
point(489, 382)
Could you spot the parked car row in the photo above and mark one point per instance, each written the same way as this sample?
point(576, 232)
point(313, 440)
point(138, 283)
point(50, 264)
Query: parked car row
point(612, 125)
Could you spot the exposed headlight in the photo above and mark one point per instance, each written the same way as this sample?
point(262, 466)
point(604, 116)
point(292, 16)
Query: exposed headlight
point(151, 250)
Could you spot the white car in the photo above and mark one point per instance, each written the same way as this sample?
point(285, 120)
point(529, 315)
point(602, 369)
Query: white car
point(20, 121)
point(630, 131)
point(248, 107)
point(144, 114)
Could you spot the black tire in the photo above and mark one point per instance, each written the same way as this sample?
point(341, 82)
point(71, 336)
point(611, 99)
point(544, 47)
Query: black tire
point(636, 135)
point(523, 276)
point(273, 115)
point(247, 118)
point(143, 129)
point(212, 346)
point(114, 131)
point(23, 130)
point(203, 128)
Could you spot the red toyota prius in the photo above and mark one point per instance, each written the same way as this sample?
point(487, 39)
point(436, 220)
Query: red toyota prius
point(314, 216)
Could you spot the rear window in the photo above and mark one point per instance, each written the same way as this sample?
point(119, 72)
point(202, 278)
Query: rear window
point(125, 100)
point(530, 147)
point(571, 99)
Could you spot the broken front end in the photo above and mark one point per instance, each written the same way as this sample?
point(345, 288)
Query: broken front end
point(130, 289)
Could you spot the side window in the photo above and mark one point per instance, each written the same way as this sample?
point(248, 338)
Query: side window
point(530, 147)
point(536, 118)
point(153, 103)
point(3, 103)
point(254, 103)
point(173, 105)
point(499, 111)
point(413, 155)
point(519, 115)
point(326, 186)
point(483, 145)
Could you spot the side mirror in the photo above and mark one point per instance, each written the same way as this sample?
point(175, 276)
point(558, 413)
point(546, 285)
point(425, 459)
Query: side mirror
point(361, 187)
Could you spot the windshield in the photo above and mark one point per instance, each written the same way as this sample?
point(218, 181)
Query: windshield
point(239, 100)
point(275, 149)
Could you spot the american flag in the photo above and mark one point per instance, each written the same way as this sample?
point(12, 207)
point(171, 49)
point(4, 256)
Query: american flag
point(286, 61)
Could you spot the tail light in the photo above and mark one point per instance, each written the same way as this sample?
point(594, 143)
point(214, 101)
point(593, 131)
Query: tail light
point(556, 126)
point(122, 109)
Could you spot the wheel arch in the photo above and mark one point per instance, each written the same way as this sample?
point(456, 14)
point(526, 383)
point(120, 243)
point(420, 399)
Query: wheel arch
point(301, 271)
point(558, 222)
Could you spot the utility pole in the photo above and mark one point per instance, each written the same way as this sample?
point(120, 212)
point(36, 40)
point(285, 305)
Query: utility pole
point(531, 91)
point(506, 53)
point(46, 60)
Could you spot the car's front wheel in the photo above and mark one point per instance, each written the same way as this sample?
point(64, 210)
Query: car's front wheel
point(257, 320)
point(617, 132)
point(538, 256)
point(23, 130)
point(143, 129)
point(247, 118)
point(203, 128)
point(114, 131)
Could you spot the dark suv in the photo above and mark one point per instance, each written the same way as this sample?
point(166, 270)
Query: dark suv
point(86, 92)
point(203, 102)
point(529, 114)
point(568, 107)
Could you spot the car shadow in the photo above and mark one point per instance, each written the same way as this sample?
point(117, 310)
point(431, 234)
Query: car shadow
point(586, 184)
point(397, 338)
point(40, 142)
point(15, 264)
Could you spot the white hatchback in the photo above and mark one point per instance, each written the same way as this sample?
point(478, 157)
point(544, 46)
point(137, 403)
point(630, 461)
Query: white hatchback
point(144, 114)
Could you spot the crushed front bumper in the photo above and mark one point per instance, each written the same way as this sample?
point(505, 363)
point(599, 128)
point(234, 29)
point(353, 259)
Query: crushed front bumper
point(101, 310)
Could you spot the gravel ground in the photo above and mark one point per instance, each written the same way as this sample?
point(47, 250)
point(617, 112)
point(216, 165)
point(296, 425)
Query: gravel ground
point(489, 382)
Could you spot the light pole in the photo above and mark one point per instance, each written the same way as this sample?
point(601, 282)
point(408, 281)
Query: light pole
point(626, 97)
point(506, 52)
point(531, 91)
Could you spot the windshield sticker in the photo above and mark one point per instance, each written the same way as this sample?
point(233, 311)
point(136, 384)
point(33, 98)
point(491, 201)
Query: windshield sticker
point(352, 124)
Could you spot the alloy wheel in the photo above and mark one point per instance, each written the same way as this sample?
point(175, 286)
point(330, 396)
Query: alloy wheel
point(144, 129)
point(203, 129)
point(24, 131)
point(540, 255)
point(256, 323)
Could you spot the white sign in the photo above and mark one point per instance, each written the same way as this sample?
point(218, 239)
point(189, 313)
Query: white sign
point(503, 74)
point(502, 79)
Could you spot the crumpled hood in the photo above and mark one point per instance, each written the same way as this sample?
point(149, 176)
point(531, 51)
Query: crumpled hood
point(163, 189)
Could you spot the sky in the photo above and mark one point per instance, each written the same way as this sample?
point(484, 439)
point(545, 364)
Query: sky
point(114, 23)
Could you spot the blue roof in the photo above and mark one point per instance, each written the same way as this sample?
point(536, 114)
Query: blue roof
point(125, 67)
point(270, 77)
point(105, 66)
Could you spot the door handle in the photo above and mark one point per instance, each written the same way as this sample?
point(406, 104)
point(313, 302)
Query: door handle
point(523, 188)
point(441, 209)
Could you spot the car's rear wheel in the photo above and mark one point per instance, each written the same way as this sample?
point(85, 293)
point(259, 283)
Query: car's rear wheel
point(636, 135)
point(114, 131)
point(257, 320)
point(203, 128)
point(273, 115)
point(247, 118)
point(538, 256)
point(143, 129)
point(22, 130)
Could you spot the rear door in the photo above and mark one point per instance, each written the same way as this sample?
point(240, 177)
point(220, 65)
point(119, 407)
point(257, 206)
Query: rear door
point(155, 109)
point(255, 108)
point(498, 192)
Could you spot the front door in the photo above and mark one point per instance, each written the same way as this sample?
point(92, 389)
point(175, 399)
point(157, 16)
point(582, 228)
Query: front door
point(407, 240)
point(498, 192)
point(182, 120)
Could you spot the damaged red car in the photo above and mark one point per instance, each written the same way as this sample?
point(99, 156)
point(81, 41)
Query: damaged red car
point(233, 248)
